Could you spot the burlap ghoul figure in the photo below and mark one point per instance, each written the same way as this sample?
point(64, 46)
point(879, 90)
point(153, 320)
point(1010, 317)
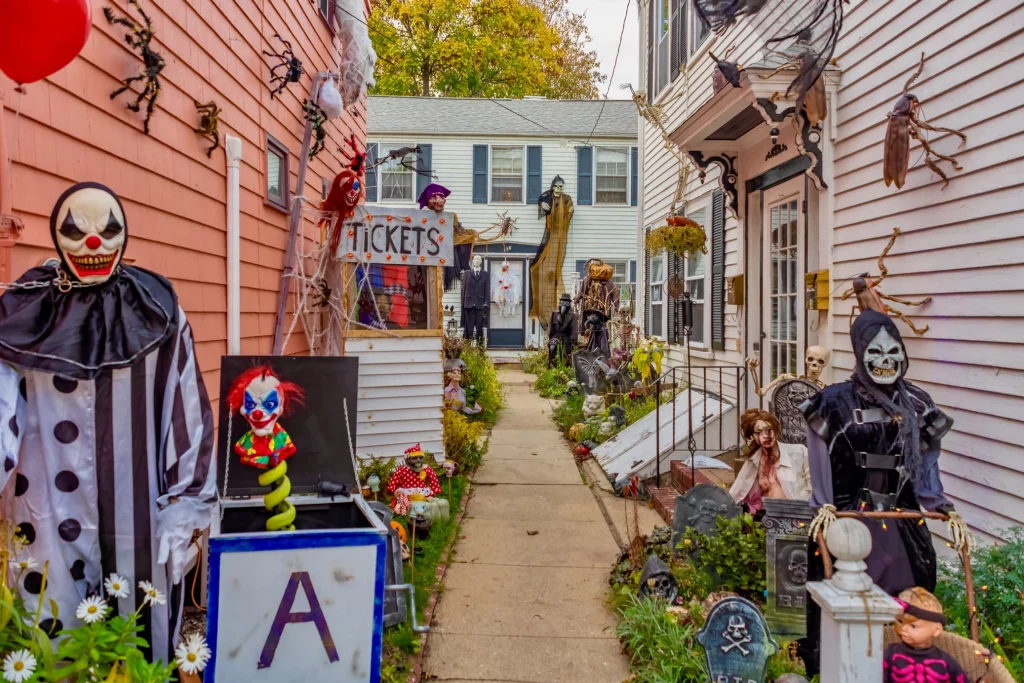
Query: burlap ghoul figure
point(105, 426)
point(546, 269)
point(597, 300)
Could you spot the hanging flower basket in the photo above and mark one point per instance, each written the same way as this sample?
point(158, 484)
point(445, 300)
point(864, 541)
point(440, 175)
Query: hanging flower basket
point(681, 236)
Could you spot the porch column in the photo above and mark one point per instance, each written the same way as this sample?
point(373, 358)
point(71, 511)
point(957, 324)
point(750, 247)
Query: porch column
point(854, 611)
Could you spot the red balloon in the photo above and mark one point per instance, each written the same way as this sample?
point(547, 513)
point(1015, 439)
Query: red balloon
point(41, 37)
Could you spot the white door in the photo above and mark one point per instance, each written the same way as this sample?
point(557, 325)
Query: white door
point(783, 270)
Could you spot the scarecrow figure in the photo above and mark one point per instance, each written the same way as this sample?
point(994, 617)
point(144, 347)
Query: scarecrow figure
point(598, 299)
point(106, 430)
point(413, 480)
point(546, 286)
point(873, 445)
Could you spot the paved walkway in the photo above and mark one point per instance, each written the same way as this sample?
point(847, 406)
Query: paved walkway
point(524, 598)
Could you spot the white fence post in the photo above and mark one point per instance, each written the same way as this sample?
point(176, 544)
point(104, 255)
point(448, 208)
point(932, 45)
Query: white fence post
point(854, 611)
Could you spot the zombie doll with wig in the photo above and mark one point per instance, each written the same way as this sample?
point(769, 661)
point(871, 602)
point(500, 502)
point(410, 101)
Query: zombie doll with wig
point(873, 445)
point(106, 432)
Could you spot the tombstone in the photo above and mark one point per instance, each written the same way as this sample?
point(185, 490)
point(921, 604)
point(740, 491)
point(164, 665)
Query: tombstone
point(657, 580)
point(737, 643)
point(588, 372)
point(394, 601)
point(700, 508)
point(785, 405)
point(786, 524)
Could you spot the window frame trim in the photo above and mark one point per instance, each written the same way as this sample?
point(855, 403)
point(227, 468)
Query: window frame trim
point(282, 151)
point(382, 149)
point(663, 303)
point(628, 175)
point(695, 50)
point(490, 175)
point(702, 204)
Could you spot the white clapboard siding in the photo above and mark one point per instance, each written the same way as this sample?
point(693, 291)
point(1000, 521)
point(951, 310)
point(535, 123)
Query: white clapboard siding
point(962, 244)
point(401, 392)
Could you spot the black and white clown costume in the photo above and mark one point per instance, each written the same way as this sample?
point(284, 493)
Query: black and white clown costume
point(106, 431)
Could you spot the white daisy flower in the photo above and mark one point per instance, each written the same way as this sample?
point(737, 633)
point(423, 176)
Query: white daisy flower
point(19, 666)
point(26, 563)
point(92, 609)
point(116, 586)
point(192, 654)
point(152, 594)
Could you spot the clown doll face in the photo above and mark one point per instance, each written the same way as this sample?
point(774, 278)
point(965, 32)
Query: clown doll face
point(90, 234)
point(415, 462)
point(764, 435)
point(263, 404)
point(436, 202)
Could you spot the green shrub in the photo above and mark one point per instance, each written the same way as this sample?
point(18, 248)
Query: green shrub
point(568, 413)
point(461, 440)
point(999, 587)
point(660, 648)
point(535, 362)
point(552, 383)
point(735, 558)
point(480, 380)
point(382, 467)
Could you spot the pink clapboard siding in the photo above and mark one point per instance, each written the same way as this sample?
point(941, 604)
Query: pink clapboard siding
point(962, 245)
point(66, 129)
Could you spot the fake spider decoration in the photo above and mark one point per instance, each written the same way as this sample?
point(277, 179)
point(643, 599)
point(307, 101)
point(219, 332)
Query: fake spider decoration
point(505, 224)
point(289, 62)
point(316, 116)
point(209, 117)
point(904, 123)
point(139, 37)
point(864, 298)
point(721, 14)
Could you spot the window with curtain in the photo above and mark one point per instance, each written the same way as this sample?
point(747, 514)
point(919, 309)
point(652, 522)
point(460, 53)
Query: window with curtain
point(397, 176)
point(695, 268)
point(506, 174)
point(612, 172)
point(656, 295)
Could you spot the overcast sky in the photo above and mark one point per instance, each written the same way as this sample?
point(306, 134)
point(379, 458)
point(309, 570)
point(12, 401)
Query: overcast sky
point(604, 17)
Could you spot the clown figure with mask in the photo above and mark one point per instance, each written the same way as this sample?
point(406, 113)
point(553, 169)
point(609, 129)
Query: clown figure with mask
point(873, 445)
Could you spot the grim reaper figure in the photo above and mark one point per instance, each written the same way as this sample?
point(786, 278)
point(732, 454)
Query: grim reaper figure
point(106, 432)
point(873, 445)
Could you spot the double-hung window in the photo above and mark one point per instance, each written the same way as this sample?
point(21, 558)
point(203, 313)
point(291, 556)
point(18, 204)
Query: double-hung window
point(664, 39)
point(507, 174)
point(657, 296)
point(397, 176)
point(701, 30)
point(277, 173)
point(612, 172)
point(694, 274)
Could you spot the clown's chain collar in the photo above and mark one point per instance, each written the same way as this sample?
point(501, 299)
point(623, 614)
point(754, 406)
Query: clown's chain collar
point(62, 282)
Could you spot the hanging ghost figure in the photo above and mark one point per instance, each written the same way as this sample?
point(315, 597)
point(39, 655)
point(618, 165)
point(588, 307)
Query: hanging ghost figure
point(106, 432)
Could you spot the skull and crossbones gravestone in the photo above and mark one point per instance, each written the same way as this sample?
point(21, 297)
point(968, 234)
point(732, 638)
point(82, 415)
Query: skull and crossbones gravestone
point(786, 524)
point(737, 643)
point(700, 508)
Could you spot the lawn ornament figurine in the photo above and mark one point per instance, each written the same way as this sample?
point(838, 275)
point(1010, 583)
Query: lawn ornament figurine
point(873, 445)
point(414, 480)
point(140, 37)
point(316, 117)
point(209, 118)
point(562, 332)
point(916, 659)
point(291, 64)
point(593, 405)
point(262, 398)
point(905, 122)
point(106, 431)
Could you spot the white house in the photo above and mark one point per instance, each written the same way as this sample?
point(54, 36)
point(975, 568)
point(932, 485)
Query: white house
point(497, 157)
point(790, 220)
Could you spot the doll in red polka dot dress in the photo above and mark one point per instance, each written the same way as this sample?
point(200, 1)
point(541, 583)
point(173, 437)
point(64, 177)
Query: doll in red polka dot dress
point(414, 479)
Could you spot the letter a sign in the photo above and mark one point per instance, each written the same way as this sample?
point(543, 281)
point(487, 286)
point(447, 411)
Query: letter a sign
point(285, 616)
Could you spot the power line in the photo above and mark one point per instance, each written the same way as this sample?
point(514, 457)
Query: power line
point(553, 132)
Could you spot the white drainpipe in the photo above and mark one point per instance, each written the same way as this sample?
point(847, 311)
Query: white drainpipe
point(233, 152)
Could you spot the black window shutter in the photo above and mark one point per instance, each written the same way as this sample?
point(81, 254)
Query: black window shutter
point(633, 185)
point(534, 183)
point(676, 49)
point(632, 284)
point(371, 172)
point(646, 284)
point(673, 269)
point(479, 174)
point(584, 175)
point(718, 270)
point(652, 11)
point(424, 162)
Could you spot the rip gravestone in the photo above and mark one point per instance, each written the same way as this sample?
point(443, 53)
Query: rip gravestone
point(700, 508)
point(786, 524)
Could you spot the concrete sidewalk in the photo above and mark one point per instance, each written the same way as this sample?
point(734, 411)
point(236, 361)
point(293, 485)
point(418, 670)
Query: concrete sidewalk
point(524, 598)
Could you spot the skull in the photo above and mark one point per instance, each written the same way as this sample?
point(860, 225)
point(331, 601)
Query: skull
point(736, 631)
point(657, 580)
point(263, 404)
point(414, 461)
point(884, 358)
point(90, 232)
point(708, 512)
point(798, 566)
point(557, 188)
point(815, 361)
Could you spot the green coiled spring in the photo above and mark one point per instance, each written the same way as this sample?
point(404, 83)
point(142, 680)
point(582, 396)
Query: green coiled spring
point(277, 500)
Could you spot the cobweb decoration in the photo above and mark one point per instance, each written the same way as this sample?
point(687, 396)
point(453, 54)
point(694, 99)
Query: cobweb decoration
point(357, 55)
point(721, 14)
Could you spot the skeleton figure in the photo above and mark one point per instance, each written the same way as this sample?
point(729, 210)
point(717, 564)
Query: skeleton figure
point(289, 62)
point(315, 116)
point(877, 302)
point(657, 580)
point(815, 360)
point(139, 37)
point(209, 117)
point(737, 634)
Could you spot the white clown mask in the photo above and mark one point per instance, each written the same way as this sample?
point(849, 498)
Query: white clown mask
point(90, 233)
point(885, 358)
point(263, 404)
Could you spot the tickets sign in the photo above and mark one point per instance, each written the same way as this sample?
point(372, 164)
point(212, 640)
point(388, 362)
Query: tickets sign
point(406, 237)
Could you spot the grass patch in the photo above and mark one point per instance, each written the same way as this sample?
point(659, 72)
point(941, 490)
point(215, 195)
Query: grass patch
point(554, 382)
point(535, 362)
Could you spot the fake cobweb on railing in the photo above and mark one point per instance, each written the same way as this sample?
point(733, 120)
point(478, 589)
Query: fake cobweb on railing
point(320, 284)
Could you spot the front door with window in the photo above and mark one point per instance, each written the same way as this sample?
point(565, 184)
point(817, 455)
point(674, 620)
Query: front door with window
point(508, 292)
point(783, 259)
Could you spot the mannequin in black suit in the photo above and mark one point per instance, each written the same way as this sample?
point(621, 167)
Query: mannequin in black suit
point(476, 301)
point(562, 332)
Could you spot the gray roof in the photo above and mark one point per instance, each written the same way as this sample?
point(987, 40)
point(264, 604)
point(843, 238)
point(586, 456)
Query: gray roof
point(532, 117)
